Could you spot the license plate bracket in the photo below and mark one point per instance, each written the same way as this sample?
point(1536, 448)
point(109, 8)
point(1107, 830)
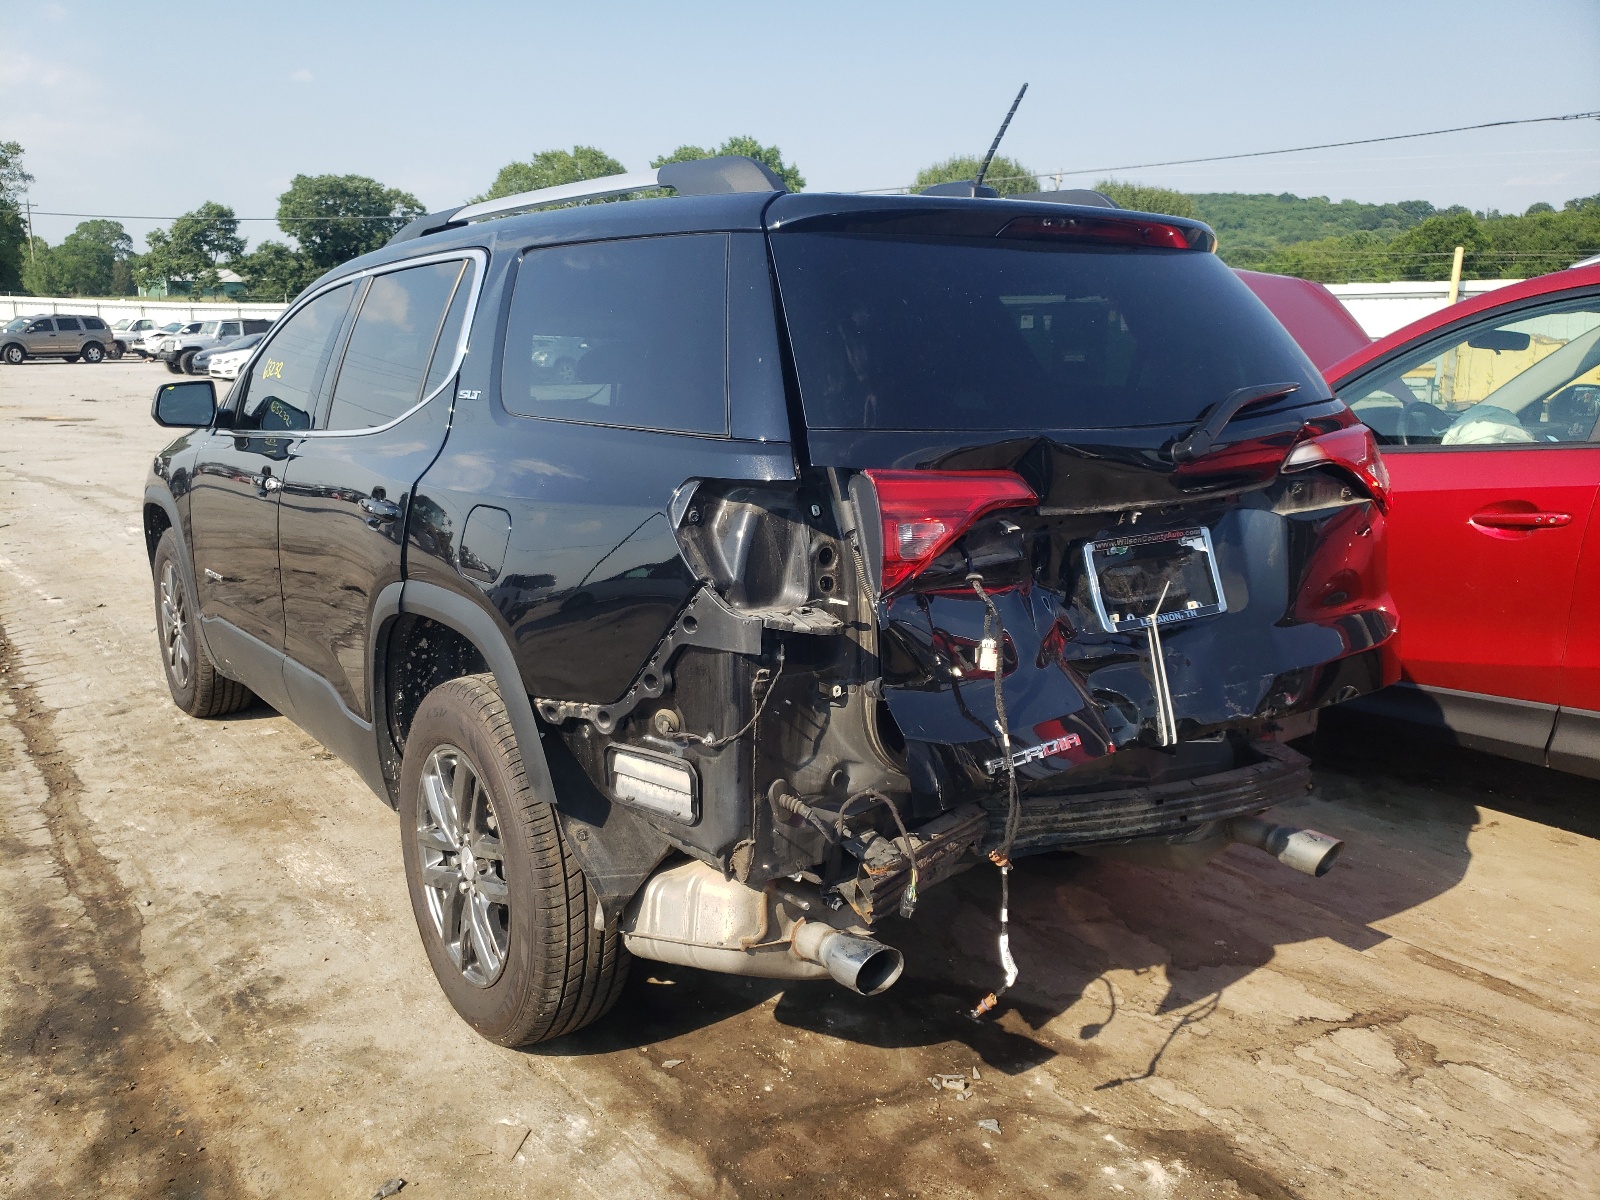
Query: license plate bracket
point(1128, 576)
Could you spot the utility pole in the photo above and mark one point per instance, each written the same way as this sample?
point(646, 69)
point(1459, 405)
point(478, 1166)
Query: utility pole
point(33, 255)
point(1455, 274)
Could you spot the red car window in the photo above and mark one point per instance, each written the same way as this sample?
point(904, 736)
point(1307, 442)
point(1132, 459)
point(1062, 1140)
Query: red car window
point(1529, 377)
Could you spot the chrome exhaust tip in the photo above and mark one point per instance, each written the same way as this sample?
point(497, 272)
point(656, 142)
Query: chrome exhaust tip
point(1304, 850)
point(864, 966)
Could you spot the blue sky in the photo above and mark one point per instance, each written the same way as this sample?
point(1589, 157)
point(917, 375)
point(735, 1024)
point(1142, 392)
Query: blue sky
point(128, 110)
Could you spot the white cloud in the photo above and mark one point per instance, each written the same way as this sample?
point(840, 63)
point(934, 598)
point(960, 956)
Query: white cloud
point(301, 76)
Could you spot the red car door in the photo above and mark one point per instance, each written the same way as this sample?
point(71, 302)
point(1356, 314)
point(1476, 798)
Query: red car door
point(1483, 557)
point(1489, 434)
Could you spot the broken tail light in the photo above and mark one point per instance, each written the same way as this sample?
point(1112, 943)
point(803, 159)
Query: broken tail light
point(924, 512)
point(1352, 449)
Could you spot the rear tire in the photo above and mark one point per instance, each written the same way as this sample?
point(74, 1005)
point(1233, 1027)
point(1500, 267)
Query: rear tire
point(196, 685)
point(504, 911)
point(116, 352)
point(94, 352)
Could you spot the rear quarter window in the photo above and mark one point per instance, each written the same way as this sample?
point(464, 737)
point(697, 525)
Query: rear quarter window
point(631, 333)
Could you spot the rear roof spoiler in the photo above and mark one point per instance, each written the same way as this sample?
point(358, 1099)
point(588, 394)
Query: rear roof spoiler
point(720, 176)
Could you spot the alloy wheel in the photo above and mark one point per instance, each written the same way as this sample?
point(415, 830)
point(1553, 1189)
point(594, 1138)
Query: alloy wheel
point(463, 866)
point(175, 626)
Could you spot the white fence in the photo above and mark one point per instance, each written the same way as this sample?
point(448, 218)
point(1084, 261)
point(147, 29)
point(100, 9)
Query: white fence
point(112, 311)
point(1381, 308)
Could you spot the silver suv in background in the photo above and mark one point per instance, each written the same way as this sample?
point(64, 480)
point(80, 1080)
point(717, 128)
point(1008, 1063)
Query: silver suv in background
point(179, 350)
point(60, 335)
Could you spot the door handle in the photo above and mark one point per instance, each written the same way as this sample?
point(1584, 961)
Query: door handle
point(377, 506)
point(266, 482)
point(1528, 521)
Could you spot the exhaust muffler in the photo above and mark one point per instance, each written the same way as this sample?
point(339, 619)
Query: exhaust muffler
point(690, 914)
point(1305, 850)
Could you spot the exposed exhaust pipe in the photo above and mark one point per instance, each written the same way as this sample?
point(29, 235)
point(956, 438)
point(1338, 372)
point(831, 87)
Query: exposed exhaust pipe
point(1305, 850)
point(692, 914)
point(864, 966)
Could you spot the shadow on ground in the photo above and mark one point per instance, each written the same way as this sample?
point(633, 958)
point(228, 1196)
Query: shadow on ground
point(1405, 811)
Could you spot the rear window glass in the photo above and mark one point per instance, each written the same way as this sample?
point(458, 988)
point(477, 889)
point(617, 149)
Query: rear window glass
point(628, 333)
point(964, 334)
point(68, 323)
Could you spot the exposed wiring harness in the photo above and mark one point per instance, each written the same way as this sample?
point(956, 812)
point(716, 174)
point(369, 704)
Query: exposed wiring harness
point(710, 740)
point(814, 817)
point(991, 658)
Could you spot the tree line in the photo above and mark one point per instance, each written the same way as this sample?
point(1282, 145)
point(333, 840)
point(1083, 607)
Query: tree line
point(329, 219)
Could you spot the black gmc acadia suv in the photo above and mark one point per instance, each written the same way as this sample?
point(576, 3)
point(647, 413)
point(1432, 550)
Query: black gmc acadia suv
point(847, 542)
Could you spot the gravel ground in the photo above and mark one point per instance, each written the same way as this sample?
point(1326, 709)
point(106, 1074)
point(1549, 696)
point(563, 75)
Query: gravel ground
point(211, 984)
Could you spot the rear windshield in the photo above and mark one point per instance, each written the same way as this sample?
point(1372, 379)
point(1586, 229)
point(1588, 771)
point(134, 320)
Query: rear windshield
point(967, 334)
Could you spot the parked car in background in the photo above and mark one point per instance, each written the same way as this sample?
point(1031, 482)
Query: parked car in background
point(178, 351)
point(1489, 417)
point(55, 335)
point(152, 342)
point(223, 362)
point(1311, 313)
point(1035, 536)
point(129, 333)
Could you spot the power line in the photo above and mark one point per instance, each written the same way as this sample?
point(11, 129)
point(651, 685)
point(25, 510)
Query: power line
point(1393, 137)
point(191, 217)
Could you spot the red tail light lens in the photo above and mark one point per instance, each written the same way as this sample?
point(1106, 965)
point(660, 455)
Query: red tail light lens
point(924, 512)
point(1353, 449)
point(1100, 229)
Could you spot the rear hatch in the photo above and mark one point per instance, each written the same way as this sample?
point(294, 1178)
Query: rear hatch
point(1174, 530)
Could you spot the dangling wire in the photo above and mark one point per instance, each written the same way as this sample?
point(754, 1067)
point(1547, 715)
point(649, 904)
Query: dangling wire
point(991, 656)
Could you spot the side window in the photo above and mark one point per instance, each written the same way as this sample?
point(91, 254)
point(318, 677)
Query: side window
point(444, 354)
point(1528, 378)
point(93, 323)
point(285, 375)
point(392, 344)
point(41, 327)
point(622, 333)
point(68, 324)
point(230, 329)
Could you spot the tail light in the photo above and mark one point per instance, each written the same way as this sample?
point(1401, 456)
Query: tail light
point(1352, 449)
point(924, 512)
point(1123, 231)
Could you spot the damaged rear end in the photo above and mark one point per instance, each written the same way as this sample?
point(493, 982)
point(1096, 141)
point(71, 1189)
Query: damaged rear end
point(1078, 539)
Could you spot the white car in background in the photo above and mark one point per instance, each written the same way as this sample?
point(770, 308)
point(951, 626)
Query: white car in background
point(226, 362)
point(151, 344)
point(129, 332)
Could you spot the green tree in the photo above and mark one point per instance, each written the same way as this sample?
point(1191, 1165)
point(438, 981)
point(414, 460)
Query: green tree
point(338, 217)
point(551, 168)
point(1426, 251)
point(14, 182)
point(1140, 198)
point(195, 248)
point(1006, 175)
point(274, 271)
point(768, 156)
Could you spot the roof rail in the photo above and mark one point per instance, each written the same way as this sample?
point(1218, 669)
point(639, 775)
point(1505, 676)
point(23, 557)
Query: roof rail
point(722, 175)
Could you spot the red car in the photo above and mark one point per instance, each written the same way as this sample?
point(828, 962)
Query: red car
point(1487, 413)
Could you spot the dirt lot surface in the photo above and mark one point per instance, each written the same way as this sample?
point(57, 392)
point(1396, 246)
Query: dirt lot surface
point(211, 984)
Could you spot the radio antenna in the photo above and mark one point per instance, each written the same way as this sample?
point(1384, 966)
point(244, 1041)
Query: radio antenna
point(995, 145)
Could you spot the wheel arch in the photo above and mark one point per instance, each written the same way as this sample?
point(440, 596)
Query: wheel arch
point(615, 848)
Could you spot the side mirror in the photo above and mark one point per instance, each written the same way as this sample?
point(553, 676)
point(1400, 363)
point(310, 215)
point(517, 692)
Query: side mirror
point(1500, 339)
point(187, 405)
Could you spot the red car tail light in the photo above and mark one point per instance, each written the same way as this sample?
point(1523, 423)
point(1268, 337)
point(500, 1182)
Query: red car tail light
point(1353, 449)
point(924, 512)
point(1122, 231)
